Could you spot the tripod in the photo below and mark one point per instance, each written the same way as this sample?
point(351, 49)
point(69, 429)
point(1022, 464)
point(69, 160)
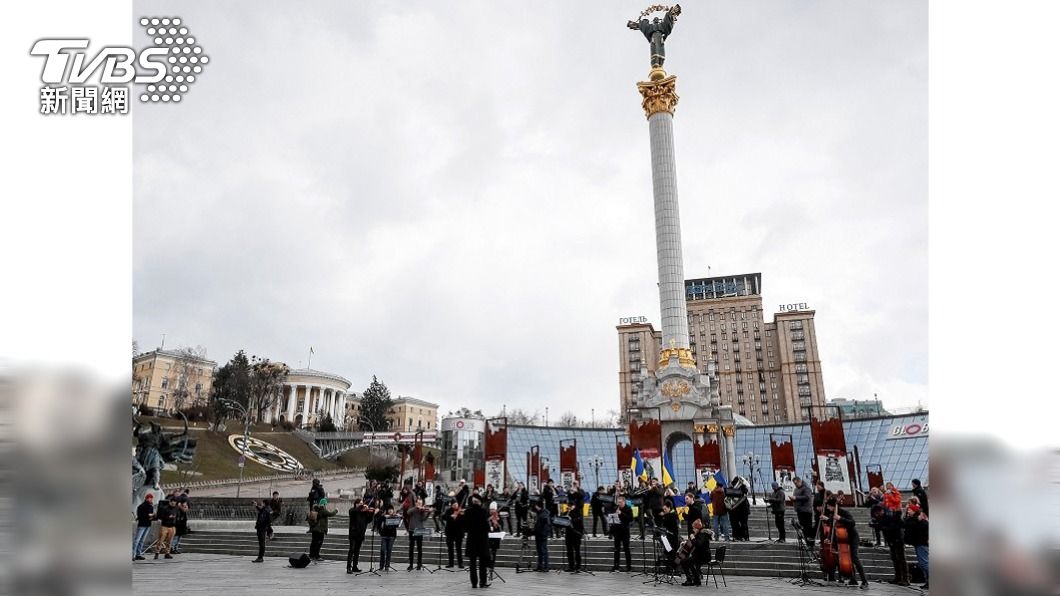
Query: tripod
point(643, 558)
point(805, 555)
point(583, 568)
point(371, 558)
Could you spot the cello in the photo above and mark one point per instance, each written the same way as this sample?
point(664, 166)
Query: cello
point(835, 546)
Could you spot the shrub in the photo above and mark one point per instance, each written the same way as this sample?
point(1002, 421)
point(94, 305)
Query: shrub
point(384, 473)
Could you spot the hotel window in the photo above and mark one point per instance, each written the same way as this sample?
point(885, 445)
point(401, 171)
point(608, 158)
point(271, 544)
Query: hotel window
point(732, 316)
point(774, 385)
point(798, 345)
point(795, 325)
point(756, 324)
point(165, 382)
point(800, 368)
point(711, 317)
point(800, 356)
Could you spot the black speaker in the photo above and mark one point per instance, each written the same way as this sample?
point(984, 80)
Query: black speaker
point(298, 561)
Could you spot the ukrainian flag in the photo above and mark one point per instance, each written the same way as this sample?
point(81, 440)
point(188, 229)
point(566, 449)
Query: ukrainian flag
point(637, 465)
point(712, 483)
point(719, 478)
point(668, 470)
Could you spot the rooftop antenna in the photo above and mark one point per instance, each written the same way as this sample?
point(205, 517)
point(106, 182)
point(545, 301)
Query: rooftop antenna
point(163, 342)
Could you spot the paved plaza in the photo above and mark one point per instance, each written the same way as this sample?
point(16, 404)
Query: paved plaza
point(236, 576)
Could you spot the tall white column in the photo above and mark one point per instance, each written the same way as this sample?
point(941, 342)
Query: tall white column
point(660, 100)
point(730, 448)
point(305, 405)
point(292, 402)
point(342, 410)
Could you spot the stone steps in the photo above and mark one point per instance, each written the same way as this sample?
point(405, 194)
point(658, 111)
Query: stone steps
point(755, 559)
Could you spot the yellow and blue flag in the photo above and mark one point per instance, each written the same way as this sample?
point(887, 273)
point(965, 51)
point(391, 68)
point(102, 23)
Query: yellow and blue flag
point(668, 469)
point(637, 465)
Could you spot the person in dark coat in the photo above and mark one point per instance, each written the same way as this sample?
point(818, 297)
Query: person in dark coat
point(316, 492)
point(167, 514)
point(542, 531)
point(319, 527)
point(776, 501)
point(921, 494)
point(454, 533)
point(463, 493)
point(819, 496)
point(804, 509)
point(669, 523)
point(739, 514)
point(891, 528)
point(360, 518)
point(620, 529)
point(521, 498)
point(262, 526)
point(915, 525)
point(700, 555)
point(844, 519)
point(476, 521)
point(596, 506)
point(574, 534)
point(145, 513)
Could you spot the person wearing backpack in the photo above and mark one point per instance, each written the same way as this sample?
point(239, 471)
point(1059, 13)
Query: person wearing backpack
point(318, 526)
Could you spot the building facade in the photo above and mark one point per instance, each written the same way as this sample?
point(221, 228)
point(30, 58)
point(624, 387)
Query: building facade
point(169, 380)
point(308, 395)
point(405, 413)
point(462, 443)
point(769, 371)
point(858, 408)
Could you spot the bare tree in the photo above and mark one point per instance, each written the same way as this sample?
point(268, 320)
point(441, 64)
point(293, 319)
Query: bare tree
point(266, 385)
point(567, 419)
point(189, 371)
point(522, 417)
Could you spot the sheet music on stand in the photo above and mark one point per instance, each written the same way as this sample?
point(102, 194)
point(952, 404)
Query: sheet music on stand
point(561, 521)
point(392, 522)
point(613, 518)
point(665, 543)
point(426, 532)
point(497, 535)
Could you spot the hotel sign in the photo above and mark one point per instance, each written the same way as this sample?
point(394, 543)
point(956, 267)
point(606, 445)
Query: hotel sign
point(632, 320)
point(794, 307)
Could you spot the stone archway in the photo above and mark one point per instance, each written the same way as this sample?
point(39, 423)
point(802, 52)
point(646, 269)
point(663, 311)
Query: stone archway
point(679, 445)
point(298, 421)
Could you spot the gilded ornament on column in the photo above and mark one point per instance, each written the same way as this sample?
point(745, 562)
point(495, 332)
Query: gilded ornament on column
point(660, 94)
point(712, 429)
point(730, 431)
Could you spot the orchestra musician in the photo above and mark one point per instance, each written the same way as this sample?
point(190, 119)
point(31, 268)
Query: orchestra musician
point(506, 507)
point(575, 531)
point(463, 493)
point(697, 508)
point(360, 516)
point(415, 519)
point(454, 532)
point(619, 527)
point(495, 526)
point(548, 497)
point(842, 518)
point(387, 536)
point(521, 499)
point(693, 553)
point(596, 506)
point(670, 525)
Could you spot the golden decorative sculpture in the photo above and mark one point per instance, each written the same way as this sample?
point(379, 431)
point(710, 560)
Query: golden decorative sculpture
point(660, 94)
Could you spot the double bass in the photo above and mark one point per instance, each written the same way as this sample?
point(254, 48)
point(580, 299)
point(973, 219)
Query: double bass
point(835, 546)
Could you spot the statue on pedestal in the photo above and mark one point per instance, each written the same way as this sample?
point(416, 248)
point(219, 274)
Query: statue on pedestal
point(656, 30)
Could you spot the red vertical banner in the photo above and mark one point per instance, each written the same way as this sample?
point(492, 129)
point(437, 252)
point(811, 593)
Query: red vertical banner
point(545, 472)
point(495, 453)
point(646, 438)
point(568, 462)
point(428, 478)
point(782, 452)
point(533, 469)
point(830, 456)
point(624, 459)
point(480, 476)
point(706, 456)
point(417, 457)
point(875, 474)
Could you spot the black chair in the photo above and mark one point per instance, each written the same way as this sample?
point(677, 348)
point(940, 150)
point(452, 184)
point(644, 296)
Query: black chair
point(716, 561)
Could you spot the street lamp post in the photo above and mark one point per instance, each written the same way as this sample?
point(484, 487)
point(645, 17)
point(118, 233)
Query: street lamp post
point(246, 435)
point(596, 462)
point(753, 464)
point(370, 444)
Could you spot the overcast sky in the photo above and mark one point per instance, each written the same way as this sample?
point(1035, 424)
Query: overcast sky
point(456, 197)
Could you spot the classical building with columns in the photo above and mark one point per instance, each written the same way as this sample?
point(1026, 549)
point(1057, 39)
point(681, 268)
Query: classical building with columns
point(308, 394)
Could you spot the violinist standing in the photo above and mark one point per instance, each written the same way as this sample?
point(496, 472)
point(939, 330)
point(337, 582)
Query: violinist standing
point(454, 533)
point(360, 517)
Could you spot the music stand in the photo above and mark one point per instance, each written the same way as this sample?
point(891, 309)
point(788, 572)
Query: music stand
point(643, 557)
point(493, 557)
point(560, 521)
point(439, 558)
point(805, 555)
point(391, 522)
point(422, 533)
point(585, 552)
point(371, 558)
point(657, 578)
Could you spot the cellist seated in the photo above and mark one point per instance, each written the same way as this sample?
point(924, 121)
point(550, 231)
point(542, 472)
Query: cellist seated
point(840, 535)
point(699, 541)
